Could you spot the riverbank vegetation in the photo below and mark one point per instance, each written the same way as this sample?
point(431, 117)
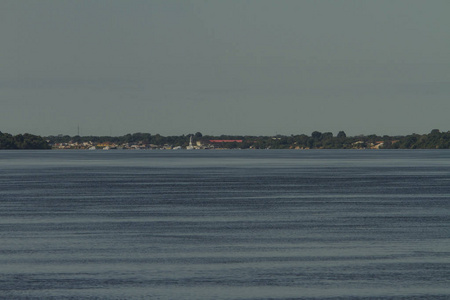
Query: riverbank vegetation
point(317, 140)
point(22, 141)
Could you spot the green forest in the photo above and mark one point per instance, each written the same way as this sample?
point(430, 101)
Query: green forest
point(22, 141)
point(316, 140)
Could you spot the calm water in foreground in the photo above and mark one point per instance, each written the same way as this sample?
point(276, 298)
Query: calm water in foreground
point(224, 224)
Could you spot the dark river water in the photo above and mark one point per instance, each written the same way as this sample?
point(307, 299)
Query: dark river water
point(256, 224)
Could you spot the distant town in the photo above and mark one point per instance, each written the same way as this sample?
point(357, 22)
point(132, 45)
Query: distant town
point(141, 145)
point(146, 141)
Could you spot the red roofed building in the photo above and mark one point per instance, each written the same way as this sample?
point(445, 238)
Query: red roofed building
point(225, 141)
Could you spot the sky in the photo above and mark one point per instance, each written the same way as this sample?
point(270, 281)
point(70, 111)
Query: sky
point(254, 67)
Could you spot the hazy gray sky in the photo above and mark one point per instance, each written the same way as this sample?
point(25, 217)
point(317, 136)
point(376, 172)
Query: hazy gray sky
point(224, 67)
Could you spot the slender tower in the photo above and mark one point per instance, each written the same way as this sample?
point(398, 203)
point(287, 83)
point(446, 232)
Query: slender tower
point(190, 147)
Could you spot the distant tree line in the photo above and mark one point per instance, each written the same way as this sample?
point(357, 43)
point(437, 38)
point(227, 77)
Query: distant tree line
point(135, 138)
point(22, 141)
point(317, 140)
point(434, 140)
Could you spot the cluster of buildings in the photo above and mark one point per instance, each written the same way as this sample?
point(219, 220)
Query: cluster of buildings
point(108, 146)
point(200, 144)
point(213, 144)
point(375, 145)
